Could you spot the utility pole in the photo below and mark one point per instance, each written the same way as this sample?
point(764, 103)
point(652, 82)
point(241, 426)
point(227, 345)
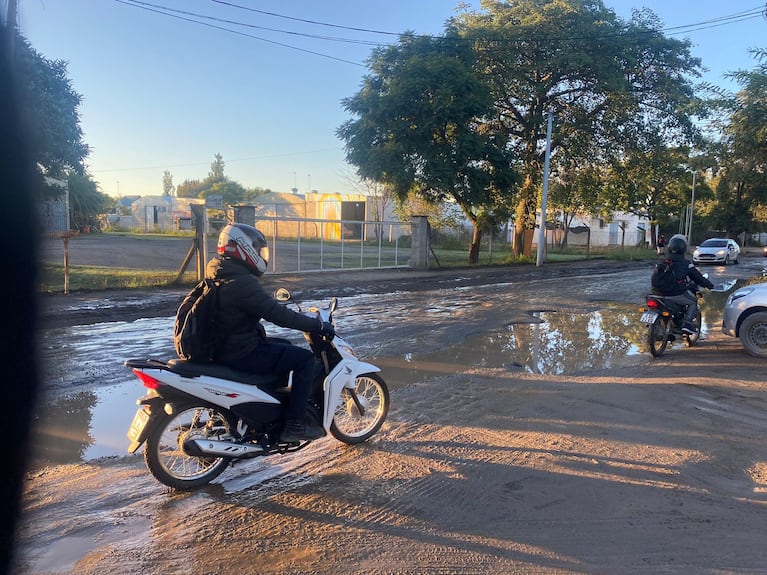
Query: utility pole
point(542, 235)
point(10, 24)
point(692, 210)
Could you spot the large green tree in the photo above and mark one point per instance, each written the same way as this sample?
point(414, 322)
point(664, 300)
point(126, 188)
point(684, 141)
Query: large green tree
point(416, 130)
point(603, 78)
point(742, 184)
point(50, 112)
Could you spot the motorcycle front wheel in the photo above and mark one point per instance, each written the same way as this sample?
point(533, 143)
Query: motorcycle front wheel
point(362, 410)
point(164, 452)
point(657, 336)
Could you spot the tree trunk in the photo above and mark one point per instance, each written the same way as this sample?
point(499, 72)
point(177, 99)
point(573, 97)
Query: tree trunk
point(524, 222)
point(474, 247)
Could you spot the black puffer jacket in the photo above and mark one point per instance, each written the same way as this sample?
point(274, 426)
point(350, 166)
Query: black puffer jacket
point(686, 273)
point(242, 304)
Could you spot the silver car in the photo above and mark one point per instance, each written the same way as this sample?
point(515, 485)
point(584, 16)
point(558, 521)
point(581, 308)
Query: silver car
point(745, 316)
point(717, 251)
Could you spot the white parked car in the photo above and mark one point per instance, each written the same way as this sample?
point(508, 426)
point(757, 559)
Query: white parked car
point(745, 317)
point(717, 251)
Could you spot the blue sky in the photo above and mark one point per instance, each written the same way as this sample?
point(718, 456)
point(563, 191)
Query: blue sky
point(162, 93)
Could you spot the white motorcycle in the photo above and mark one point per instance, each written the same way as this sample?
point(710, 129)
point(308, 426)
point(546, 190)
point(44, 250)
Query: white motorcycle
point(199, 417)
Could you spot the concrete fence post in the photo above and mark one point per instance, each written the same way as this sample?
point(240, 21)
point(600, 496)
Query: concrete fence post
point(419, 247)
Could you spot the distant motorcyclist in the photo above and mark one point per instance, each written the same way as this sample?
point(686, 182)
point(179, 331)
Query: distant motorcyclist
point(243, 345)
point(687, 277)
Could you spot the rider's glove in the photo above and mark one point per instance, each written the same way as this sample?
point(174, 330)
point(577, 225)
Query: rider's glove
point(327, 331)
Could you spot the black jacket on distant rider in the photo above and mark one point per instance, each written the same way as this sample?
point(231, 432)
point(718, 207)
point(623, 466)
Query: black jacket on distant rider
point(685, 272)
point(242, 304)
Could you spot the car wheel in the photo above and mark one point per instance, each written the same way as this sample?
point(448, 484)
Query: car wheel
point(753, 334)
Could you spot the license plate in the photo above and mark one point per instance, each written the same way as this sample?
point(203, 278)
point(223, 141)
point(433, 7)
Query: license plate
point(135, 433)
point(648, 317)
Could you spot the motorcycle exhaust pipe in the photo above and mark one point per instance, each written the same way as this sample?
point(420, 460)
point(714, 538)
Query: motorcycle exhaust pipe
point(214, 448)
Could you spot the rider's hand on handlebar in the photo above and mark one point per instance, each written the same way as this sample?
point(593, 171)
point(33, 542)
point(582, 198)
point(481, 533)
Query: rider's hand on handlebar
point(327, 330)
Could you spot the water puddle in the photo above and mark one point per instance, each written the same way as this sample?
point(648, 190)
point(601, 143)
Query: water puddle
point(412, 337)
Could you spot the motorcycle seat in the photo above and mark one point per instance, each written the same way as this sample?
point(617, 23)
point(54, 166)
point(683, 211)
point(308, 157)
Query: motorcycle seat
point(192, 369)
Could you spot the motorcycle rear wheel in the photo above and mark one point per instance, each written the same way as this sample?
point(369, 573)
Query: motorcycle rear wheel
point(657, 336)
point(164, 452)
point(693, 338)
point(362, 411)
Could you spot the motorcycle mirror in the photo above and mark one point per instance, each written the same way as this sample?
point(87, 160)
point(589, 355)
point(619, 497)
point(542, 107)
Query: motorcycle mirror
point(333, 304)
point(282, 295)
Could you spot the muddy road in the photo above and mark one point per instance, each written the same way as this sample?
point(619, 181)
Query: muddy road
point(529, 433)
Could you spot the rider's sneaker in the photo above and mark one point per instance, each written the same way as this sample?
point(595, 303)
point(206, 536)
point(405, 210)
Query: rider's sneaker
point(689, 329)
point(295, 431)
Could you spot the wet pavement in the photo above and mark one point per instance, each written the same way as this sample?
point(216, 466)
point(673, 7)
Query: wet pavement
point(563, 326)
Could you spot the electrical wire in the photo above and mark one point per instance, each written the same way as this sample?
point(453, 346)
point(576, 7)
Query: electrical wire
point(181, 14)
point(239, 33)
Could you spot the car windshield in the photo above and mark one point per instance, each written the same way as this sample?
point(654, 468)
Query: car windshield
point(714, 244)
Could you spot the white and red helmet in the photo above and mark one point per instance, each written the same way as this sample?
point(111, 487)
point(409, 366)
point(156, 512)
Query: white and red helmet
point(245, 243)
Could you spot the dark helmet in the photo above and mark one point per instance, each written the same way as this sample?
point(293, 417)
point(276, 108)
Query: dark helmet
point(245, 243)
point(677, 245)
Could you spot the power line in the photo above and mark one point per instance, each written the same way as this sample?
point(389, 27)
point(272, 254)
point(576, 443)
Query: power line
point(249, 9)
point(159, 11)
point(200, 19)
point(254, 26)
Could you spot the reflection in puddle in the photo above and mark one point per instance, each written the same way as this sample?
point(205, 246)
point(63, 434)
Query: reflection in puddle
point(85, 426)
point(552, 343)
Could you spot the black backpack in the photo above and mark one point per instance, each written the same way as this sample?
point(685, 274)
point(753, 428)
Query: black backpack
point(663, 277)
point(194, 332)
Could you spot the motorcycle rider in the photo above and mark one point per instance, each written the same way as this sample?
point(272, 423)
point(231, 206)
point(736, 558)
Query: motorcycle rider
point(687, 276)
point(242, 343)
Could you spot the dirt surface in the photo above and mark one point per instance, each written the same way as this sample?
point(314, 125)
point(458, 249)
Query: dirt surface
point(656, 468)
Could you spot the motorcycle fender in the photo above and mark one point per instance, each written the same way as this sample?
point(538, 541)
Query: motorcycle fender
point(151, 407)
point(343, 375)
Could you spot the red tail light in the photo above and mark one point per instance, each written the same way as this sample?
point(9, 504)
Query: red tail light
point(651, 303)
point(148, 381)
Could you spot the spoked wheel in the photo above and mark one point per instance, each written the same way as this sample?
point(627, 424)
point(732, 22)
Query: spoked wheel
point(657, 336)
point(362, 410)
point(165, 455)
point(692, 339)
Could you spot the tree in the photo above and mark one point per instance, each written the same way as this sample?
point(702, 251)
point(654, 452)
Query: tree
point(576, 189)
point(86, 201)
point(50, 111)
point(742, 187)
point(190, 189)
point(603, 78)
point(216, 174)
point(217, 183)
point(652, 180)
point(416, 130)
point(168, 189)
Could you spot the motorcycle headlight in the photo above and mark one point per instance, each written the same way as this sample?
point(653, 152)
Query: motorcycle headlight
point(348, 350)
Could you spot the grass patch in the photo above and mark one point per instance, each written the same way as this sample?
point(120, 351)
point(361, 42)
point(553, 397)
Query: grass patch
point(104, 278)
point(502, 256)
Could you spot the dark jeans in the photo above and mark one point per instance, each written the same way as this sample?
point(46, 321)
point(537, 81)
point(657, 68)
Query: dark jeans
point(690, 300)
point(279, 356)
